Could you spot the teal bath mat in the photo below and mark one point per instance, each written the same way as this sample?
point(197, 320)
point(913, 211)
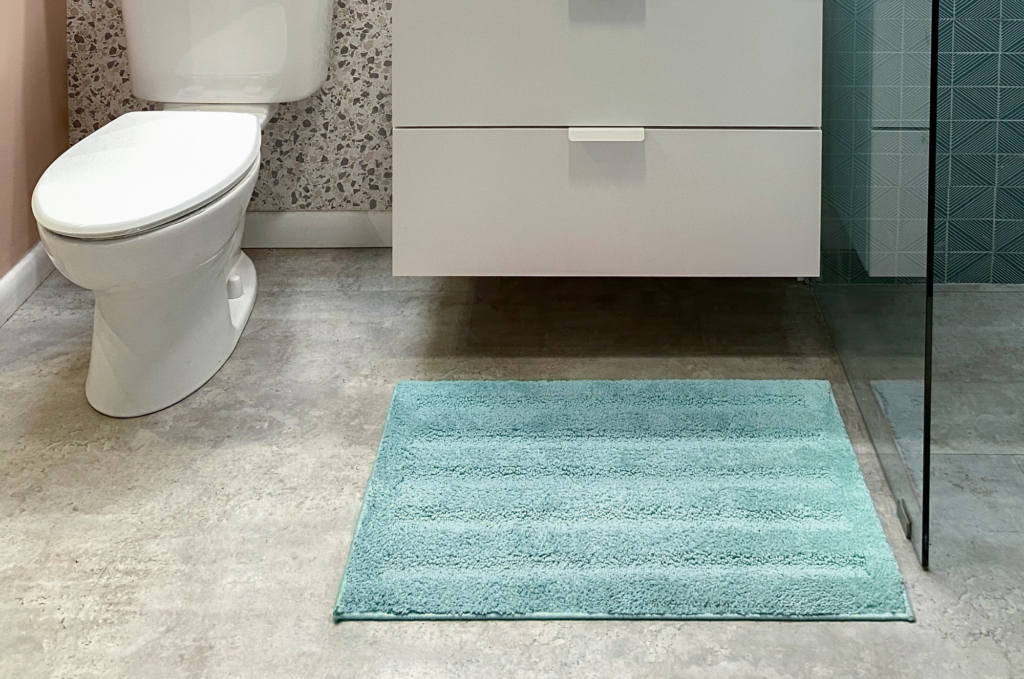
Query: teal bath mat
point(618, 500)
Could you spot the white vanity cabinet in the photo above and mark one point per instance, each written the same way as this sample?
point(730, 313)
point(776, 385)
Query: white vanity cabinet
point(607, 137)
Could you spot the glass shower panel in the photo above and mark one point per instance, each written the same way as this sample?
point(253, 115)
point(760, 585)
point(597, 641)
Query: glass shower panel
point(977, 435)
point(876, 257)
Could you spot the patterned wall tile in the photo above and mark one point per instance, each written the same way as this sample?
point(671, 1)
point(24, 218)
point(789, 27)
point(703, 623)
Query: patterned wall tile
point(329, 152)
point(1008, 268)
point(979, 235)
point(875, 117)
point(980, 175)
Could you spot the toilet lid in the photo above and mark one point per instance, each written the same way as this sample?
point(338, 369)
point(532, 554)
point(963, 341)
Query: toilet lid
point(144, 170)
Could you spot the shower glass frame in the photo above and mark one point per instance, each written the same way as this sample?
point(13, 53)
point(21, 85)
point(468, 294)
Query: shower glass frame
point(878, 230)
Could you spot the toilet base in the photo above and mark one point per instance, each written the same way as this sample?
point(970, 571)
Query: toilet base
point(154, 345)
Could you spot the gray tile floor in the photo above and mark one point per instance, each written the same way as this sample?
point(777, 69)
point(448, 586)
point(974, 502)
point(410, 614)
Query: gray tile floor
point(208, 540)
point(978, 431)
point(979, 371)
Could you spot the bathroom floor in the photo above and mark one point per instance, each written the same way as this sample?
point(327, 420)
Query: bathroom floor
point(978, 442)
point(208, 539)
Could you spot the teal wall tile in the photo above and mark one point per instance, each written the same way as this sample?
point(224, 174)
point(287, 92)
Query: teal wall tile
point(940, 266)
point(917, 9)
point(973, 136)
point(1013, 10)
point(968, 267)
point(1008, 268)
point(941, 195)
point(973, 169)
point(1013, 36)
point(980, 174)
point(1011, 137)
point(945, 37)
point(1011, 70)
point(1011, 103)
point(917, 34)
point(977, 9)
point(1011, 170)
point(877, 72)
point(976, 35)
point(971, 202)
point(943, 135)
point(1009, 236)
point(1010, 203)
point(974, 69)
point(970, 235)
point(941, 229)
point(973, 103)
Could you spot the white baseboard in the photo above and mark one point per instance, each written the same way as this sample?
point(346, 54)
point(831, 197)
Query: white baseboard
point(349, 229)
point(20, 282)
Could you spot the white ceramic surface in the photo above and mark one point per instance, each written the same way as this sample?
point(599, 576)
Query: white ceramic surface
point(163, 323)
point(263, 112)
point(143, 170)
point(227, 51)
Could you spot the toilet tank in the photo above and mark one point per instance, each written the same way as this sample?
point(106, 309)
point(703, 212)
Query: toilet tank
point(227, 51)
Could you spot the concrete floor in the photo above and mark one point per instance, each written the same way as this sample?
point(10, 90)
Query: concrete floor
point(978, 434)
point(208, 540)
point(979, 370)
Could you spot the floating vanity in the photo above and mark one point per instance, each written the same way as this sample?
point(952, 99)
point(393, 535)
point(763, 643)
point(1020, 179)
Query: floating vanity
point(607, 137)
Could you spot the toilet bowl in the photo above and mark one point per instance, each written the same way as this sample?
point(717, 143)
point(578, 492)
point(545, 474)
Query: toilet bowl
point(148, 213)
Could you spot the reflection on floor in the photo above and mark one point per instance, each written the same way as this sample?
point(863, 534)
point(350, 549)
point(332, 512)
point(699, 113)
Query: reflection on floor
point(207, 540)
point(879, 333)
point(902, 403)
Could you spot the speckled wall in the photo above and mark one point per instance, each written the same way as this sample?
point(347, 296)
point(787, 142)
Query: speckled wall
point(329, 152)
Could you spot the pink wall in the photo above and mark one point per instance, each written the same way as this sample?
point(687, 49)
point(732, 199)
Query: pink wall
point(33, 112)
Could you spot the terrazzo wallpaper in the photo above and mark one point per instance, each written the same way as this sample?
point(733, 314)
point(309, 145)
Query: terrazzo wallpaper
point(329, 152)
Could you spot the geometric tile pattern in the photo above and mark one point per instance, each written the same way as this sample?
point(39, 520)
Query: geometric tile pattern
point(875, 130)
point(980, 170)
point(329, 152)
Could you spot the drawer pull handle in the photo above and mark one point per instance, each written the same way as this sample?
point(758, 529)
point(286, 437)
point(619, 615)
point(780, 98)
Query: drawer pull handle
point(633, 134)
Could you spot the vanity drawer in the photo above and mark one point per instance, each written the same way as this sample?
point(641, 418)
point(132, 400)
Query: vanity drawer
point(682, 202)
point(651, 63)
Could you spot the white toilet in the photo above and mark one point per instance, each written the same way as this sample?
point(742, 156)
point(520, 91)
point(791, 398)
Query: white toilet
point(148, 212)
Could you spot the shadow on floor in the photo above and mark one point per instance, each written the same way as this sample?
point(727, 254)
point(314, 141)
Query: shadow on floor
point(523, 317)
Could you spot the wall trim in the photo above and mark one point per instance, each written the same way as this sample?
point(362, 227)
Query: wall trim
point(20, 282)
point(341, 229)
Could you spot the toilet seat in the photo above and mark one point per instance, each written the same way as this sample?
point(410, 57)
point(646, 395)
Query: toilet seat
point(144, 171)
